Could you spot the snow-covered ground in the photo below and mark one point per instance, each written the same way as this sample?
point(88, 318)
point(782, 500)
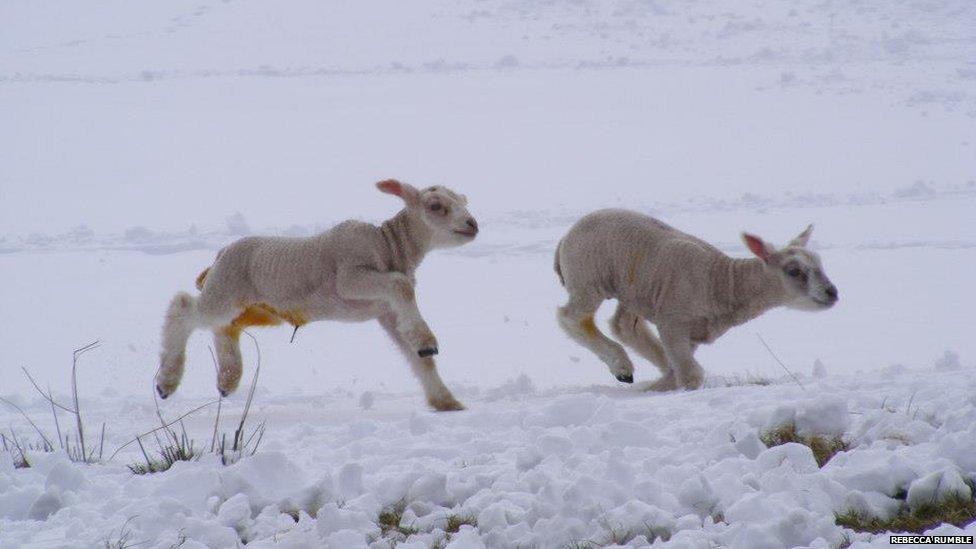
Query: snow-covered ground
point(136, 140)
point(534, 468)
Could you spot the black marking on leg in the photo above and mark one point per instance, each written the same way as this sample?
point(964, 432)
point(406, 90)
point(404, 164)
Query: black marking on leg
point(427, 351)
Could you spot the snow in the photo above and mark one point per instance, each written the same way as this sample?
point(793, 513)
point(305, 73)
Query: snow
point(137, 141)
point(948, 361)
point(688, 466)
point(936, 486)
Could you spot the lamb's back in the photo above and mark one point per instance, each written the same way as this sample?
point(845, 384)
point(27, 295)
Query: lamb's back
point(634, 257)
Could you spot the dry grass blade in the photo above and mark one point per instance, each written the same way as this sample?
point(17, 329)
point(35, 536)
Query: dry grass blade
point(780, 362)
point(163, 426)
point(239, 434)
point(220, 402)
point(54, 412)
point(47, 442)
point(74, 392)
point(101, 443)
point(80, 452)
point(47, 396)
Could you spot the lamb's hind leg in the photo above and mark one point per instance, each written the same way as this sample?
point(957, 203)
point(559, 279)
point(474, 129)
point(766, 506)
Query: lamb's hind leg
point(230, 366)
point(228, 346)
point(632, 330)
point(424, 367)
point(179, 324)
point(576, 319)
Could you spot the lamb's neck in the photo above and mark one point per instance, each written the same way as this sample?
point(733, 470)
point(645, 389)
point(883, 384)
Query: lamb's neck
point(408, 240)
point(754, 290)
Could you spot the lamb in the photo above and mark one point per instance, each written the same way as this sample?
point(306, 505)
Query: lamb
point(353, 272)
point(691, 291)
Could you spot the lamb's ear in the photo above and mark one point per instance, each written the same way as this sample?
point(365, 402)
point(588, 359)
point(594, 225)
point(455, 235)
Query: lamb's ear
point(802, 238)
point(408, 193)
point(761, 249)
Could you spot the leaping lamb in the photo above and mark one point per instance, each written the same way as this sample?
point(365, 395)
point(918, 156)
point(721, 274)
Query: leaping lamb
point(691, 291)
point(353, 272)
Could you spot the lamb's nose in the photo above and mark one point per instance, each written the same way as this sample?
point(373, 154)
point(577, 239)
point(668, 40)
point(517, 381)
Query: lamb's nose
point(831, 292)
point(473, 224)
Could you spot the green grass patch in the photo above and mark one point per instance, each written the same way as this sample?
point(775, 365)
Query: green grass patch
point(954, 509)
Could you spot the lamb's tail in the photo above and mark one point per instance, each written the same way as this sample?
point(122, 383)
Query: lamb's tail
point(555, 265)
point(202, 277)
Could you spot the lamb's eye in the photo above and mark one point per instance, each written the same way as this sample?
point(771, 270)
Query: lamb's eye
point(794, 272)
point(435, 207)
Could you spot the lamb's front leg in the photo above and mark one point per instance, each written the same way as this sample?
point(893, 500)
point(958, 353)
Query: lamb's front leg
point(438, 395)
point(680, 353)
point(396, 291)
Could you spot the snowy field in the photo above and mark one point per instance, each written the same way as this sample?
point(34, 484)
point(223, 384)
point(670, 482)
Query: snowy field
point(136, 140)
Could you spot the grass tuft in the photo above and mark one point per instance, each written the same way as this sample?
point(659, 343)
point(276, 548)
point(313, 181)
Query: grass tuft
point(455, 522)
point(823, 447)
point(18, 450)
point(390, 519)
point(177, 448)
point(392, 530)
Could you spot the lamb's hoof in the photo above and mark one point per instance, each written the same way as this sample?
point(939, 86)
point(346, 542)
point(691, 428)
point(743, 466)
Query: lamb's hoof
point(625, 378)
point(663, 384)
point(162, 394)
point(447, 405)
point(427, 351)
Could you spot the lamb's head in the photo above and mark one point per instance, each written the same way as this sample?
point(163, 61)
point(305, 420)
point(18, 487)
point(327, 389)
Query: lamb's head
point(444, 211)
point(800, 270)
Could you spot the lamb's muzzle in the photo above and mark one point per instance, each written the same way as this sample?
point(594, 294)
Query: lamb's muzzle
point(690, 290)
point(353, 272)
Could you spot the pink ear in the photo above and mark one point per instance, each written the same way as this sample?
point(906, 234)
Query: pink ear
point(391, 186)
point(756, 246)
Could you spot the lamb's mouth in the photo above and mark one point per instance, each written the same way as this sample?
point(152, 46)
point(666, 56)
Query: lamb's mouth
point(826, 304)
point(470, 233)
